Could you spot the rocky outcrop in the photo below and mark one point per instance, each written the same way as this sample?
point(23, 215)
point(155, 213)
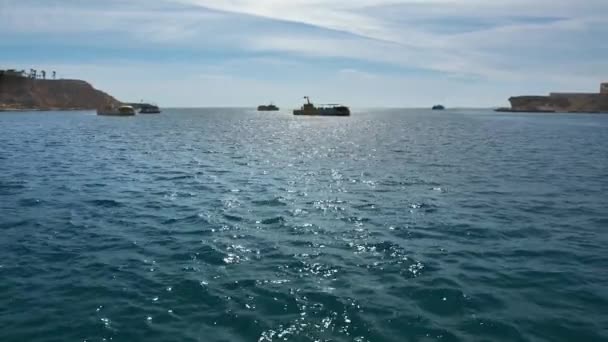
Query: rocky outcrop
point(567, 103)
point(561, 102)
point(21, 93)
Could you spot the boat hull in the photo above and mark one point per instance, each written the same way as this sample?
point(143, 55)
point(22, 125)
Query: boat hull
point(270, 108)
point(323, 112)
point(115, 114)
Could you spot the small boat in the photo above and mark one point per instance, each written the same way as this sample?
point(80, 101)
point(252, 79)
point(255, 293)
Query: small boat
point(146, 108)
point(267, 108)
point(120, 111)
point(438, 107)
point(324, 110)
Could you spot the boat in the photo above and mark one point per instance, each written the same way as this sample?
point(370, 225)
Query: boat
point(114, 111)
point(267, 108)
point(323, 110)
point(438, 107)
point(146, 108)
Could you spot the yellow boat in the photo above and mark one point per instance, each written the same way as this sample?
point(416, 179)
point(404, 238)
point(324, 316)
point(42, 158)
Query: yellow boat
point(120, 111)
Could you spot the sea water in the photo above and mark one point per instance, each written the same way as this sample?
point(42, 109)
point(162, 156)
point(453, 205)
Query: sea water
point(233, 225)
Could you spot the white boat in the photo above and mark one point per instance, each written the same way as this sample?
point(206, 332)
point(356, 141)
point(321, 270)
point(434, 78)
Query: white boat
point(147, 108)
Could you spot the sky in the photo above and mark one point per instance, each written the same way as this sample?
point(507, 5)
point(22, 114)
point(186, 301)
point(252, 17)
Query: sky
point(364, 53)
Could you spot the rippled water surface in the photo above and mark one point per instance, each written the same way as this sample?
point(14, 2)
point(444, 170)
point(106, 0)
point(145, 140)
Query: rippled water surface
point(229, 225)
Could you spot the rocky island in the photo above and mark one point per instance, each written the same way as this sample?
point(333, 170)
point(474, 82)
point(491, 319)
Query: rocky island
point(19, 91)
point(561, 103)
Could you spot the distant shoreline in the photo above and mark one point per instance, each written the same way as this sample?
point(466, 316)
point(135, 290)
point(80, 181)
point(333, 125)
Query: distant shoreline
point(23, 94)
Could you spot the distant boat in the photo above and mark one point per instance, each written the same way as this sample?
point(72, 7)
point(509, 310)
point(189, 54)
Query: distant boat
point(267, 108)
point(113, 111)
point(146, 108)
point(438, 107)
point(324, 110)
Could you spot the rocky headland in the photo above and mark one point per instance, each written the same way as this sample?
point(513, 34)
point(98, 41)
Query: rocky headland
point(25, 93)
point(561, 103)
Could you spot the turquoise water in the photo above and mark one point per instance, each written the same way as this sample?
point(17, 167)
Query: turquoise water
point(230, 225)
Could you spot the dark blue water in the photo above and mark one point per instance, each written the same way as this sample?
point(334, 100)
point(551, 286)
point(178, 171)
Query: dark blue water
point(229, 225)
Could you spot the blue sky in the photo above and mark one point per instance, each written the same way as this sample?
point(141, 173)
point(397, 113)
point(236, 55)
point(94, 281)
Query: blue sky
point(398, 53)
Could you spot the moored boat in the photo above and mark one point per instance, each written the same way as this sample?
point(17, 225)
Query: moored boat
point(146, 108)
point(114, 111)
point(267, 108)
point(323, 110)
point(438, 107)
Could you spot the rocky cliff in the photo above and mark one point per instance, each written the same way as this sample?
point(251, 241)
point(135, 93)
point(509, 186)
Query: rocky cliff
point(19, 93)
point(569, 103)
point(562, 102)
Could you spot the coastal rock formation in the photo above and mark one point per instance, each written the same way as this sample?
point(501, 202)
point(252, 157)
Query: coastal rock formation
point(562, 102)
point(23, 93)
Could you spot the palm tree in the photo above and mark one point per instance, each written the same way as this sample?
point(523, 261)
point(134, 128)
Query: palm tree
point(54, 73)
point(43, 74)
